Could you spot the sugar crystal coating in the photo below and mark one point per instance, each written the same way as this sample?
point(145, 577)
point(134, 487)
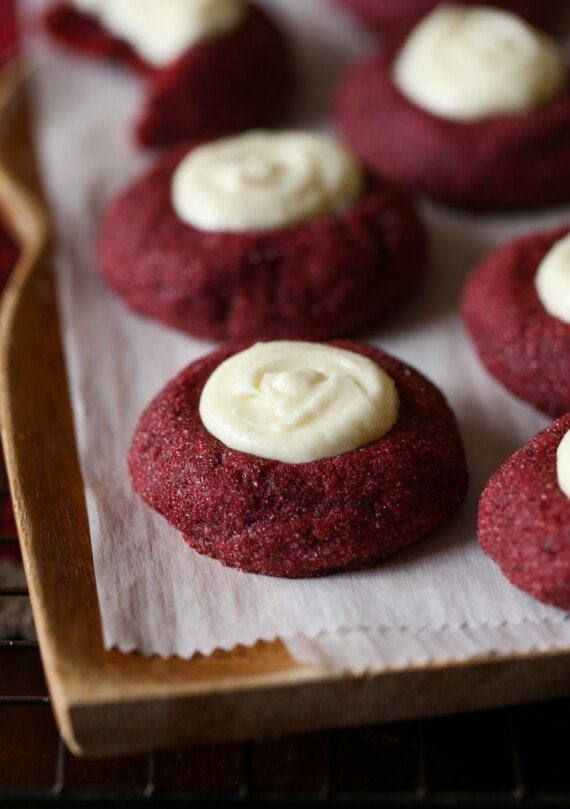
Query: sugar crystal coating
point(507, 161)
point(520, 343)
point(295, 520)
point(524, 519)
point(316, 280)
point(227, 84)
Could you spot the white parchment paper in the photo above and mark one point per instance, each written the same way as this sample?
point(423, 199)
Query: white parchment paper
point(442, 600)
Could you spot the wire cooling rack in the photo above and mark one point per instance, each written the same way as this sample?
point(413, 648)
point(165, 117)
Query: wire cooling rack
point(507, 757)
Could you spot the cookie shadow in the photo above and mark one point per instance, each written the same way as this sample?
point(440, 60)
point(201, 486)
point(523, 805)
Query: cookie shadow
point(457, 246)
point(486, 448)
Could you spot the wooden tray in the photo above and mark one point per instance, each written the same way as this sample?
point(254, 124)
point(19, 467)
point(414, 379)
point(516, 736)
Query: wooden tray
point(110, 703)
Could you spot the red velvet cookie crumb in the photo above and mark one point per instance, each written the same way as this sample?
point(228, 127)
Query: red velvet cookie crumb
point(224, 85)
point(524, 519)
point(297, 520)
point(520, 343)
point(320, 279)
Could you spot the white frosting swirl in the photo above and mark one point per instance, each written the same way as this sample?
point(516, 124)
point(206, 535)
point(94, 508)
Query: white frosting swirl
point(298, 402)
point(162, 30)
point(563, 464)
point(261, 180)
point(470, 63)
point(552, 280)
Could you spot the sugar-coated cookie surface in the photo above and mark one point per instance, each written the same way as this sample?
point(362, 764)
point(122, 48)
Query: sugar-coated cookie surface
point(320, 279)
point(241, 79)
point(500, 162)
point(520, 343)
point(524, 519)
point(301, 519)
point(385, 14)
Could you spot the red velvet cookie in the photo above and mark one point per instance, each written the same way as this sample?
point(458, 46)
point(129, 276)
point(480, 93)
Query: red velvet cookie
point(520, 343)
point(320, 279)
point(403, 14)
point(307, 519)
point(524, 519)
point(223, 85)
point(501, 162)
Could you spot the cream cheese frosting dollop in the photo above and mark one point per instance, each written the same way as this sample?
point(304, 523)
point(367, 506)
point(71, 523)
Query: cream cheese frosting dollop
point(261, 180)
point(563, 464)
point(552, 280)
point(162, 30)
point(295, 401)
point(470, 63)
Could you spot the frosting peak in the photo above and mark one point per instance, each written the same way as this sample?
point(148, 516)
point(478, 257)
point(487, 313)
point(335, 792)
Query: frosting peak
point(161, 30)
point(261, 180)
point(471, 63)
point(297, 402)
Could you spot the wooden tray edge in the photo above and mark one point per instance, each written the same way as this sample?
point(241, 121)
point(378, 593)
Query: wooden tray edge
point(109, 703)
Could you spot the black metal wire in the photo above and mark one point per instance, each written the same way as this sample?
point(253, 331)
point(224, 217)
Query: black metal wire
point(152, 774)
point(329, 794)
point(18, 645)
point(154, 790)
point(422, 788)
point(60, 768)
point(246, 771)
point(520, 789)
point(327, 787)
point(22, 701)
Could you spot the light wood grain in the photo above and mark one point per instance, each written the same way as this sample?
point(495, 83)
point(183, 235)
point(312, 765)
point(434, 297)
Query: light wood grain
point(110, 703)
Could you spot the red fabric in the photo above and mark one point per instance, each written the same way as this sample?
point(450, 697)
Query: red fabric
point(8, 256)
point(8, 29)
